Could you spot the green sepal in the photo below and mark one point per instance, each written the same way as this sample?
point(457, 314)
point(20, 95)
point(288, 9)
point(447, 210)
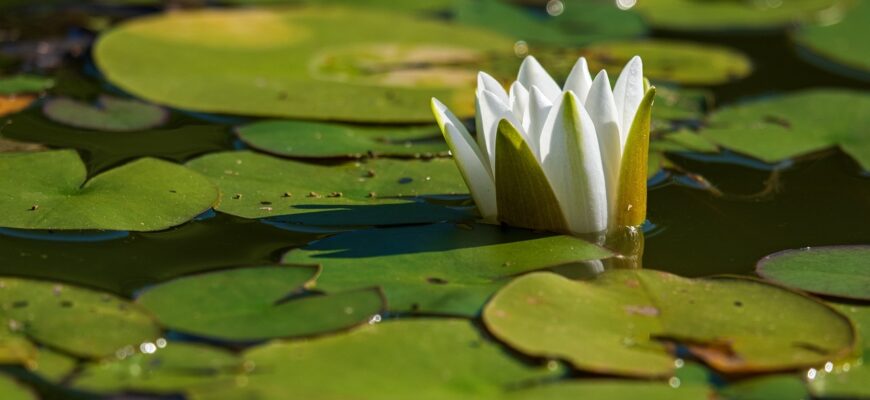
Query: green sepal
point(524, 195)
point(631, 193)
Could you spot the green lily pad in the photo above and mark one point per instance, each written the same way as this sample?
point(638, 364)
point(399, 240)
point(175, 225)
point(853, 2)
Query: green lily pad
point(162, 367)
point(257, 303)
point(846, 379)
point(52, 366)
point(793, 125)
point(10, 389)
point(836, 42)
point(612, 389)
point(256, 186)
point(322, 140)
point(78, 321)
point(842, 271)
point(48, 190)
point(108, 114)
point(16, 146)
point(772, 387)
point(672, 61)
point(610, 325)
point(407, 359)
point(718, 15)
point(24, 84)
point(681, 104)
point(441, 268)
point(293, 63)
point(108, 149)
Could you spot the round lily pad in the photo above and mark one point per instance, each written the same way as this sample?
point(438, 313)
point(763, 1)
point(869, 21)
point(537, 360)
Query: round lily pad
point(837, 42)
point(731, 15)
point(672, 61)
point(778, 128)
point(407, 359)
point(611, 325)
point(257, 303)
point(49, 190)
point(10, 389)
point(845, 379)
point(14, 103)
point(24, 84)
point(441, 268)
point(108, 114)
point(842, 271)
point(612, 389)
point(256, 186)
point(380, 67)
point(75, 320)
point(160, 367)
point(771, 387)
point(323, 140)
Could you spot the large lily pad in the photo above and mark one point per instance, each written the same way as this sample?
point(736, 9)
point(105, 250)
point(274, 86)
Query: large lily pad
point(257, 303)
point(162, 367)
point(424, 359)
point(836, 42)
point(15, 103)
point(717, 15)
point(672, 61)
point(24, 84)
point(771, 387)
point(48, 190)
point(293, 63)
point(442, 268)
point(846, 379)
point(611, 389)
point(796, 124)
point(256, 186)
point(12, 390)
point(842, 271)
point(75, 320)
point(108, 114)
point(611, 324)
point(322, 140)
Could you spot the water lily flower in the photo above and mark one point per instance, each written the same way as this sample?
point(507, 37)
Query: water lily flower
point(567, 159)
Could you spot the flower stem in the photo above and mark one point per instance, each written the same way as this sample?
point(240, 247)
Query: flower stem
point(627, 243)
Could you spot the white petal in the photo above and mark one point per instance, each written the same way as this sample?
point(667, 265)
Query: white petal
point(470, 161)
point(533, 74)
point(490, 110)
point(627, 93)
point(602, 111)
point(572, 163)
point(579, 81)
point(487, 82)
point(518, 100)
point(538, 110)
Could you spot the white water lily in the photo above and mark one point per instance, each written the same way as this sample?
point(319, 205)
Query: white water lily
point(569, 159)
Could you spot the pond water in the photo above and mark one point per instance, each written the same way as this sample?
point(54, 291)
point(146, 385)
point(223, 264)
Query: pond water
point(709, 212)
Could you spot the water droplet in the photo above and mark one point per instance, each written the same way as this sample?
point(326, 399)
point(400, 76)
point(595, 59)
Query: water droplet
point(161, 343)
point(521, 49)
point(348, 310)
point(674, 382)
point(679, 363)
point(375, 319)
point(811, 374)
point(829, 366)
point(148, 348)
point(552, 365)
point(625, 4)
point(555, 8)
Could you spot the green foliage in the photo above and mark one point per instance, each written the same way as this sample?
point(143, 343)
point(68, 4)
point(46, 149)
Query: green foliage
point(834, 270)
point(108, 114)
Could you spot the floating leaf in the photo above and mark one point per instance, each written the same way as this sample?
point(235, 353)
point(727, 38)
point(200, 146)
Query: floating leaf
point(846, 379)
point(293, 63)
point(48, 190)
point(680, 104)
point(12, 390)
point(441, 268)
point(15, 146)
point(108, 114)
point(772, 387)
point(51, 365)
point(257, 303)
point(672, 61)
point(24, 84)
point(75, 320)
point(317, 139)
point(792, 125)
point(256, 186)
point(609, 325)
point(836, 42)
point(842, 271)
point(14, 103)
point(611, 389)
point(408, 359)
point(718, 15)
point(164, 367)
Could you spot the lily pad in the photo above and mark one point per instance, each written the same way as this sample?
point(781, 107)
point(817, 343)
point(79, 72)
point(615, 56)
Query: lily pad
point(256, 186)
point(772, 387)
point(108, 114)
point(78, 321)
point(733, 15)
point(10, 389)
point(14, 103)
point(383, 361)
point(441, 268)
point(51, 366)
point(293, 63)
point(48, 190)
point(15, 146)
point(323, 140)
point(161, 367)
point(612, 389)
point(257, 303)
point(846, 379)
point(842, 271)
point(793, 125)
point(24, 84)
point(611, 325)
point(672, 61)
point(836, 42)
